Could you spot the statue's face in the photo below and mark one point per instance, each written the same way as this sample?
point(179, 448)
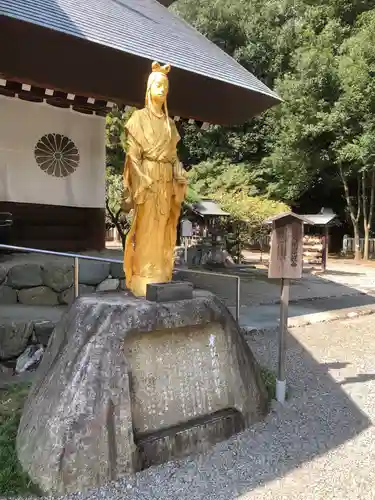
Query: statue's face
point(159, 88)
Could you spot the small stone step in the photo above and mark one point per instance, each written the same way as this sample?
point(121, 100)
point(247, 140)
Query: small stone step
point(21, 325)
point(20, 312)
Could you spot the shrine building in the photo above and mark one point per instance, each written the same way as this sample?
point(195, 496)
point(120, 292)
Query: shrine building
point(63, 66)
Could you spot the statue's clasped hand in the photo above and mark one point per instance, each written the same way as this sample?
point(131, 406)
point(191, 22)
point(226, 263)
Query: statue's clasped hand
point(179, 173)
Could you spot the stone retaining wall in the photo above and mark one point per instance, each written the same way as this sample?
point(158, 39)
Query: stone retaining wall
point(51, 284)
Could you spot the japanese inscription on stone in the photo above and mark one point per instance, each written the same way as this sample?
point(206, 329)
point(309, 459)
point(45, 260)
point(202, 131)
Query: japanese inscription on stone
point(167, 365)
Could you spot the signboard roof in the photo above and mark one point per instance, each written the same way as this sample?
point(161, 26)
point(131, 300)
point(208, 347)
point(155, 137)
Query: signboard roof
point(283, 215)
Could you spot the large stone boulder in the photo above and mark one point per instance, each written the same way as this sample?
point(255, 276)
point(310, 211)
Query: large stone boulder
point(117, 270)
point(67, 297)
point(43, 330)
point(14, 337)
point(8, 295)
point(38, 296)
point(3, 274)
point(25, 276)
point(126, 383)
point(108, 285)
point(93, 273)
point(57, 276)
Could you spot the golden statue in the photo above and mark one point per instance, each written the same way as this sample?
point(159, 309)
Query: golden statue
point(154, 184)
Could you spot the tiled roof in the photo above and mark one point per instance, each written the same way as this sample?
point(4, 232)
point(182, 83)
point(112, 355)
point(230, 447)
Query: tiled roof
point(166, 3)
point(208, 207)
point(141, 27)
point(323, 218)
point(319, 219)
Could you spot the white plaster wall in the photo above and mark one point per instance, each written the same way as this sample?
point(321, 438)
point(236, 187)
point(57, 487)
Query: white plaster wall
point(22, 124)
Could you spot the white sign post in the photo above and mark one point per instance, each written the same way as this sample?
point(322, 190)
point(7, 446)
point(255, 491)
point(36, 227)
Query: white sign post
point(286, 263)
point(186, 232)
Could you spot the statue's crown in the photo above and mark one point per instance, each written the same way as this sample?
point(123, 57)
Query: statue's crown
point(156, 67)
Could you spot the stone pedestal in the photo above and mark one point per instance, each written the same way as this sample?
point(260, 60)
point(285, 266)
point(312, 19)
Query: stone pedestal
point(127, 383)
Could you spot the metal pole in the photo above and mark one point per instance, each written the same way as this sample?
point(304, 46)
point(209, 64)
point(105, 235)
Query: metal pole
point(60, 254)
point(238, 299)
point(186, 250)
point(325, 250)
point(284, 302)
point(76, 277)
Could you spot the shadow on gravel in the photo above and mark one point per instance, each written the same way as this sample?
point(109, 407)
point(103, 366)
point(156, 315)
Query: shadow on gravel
point(365, 377)
point(333, 272)
point(318, 417)
point(335, 365)
point(325, 304)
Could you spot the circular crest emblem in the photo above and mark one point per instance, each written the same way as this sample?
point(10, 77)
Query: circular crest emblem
point(56, 155)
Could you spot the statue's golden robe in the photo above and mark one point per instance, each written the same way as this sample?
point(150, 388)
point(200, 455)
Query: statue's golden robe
point(155, 185)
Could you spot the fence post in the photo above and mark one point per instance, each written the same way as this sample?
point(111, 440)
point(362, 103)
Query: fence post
point(348, 245)
point(238, 299)
point(76, 277)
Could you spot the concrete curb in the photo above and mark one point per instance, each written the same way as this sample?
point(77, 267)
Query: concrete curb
point(313, 318)
point(314, 298)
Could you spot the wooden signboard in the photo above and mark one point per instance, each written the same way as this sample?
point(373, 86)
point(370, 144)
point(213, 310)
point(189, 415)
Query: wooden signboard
point(186, 228)
point(286, 257)
point(286, 262)
point(186, 232)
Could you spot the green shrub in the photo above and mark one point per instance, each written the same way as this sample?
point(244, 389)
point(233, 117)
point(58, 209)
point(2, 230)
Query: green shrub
point(230, 185)
point(13, 480)
point(269, 379)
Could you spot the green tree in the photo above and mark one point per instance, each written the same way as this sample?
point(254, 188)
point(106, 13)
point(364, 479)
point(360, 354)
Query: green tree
point(354, 122)
point(115, 159)
point(301, 143)
point(293, 46)
point(115, 216)
point(261, 35)
point(324, 127)
point(318, 56)
point(230, 185)
point(115, 139)
point(247, 216)
point(219, 175)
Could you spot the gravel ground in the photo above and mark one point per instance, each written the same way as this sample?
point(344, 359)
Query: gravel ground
point(321, 444)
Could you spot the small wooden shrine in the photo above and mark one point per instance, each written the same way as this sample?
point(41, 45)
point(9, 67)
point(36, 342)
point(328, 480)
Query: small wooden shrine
point(206, 216)
point(208, 234)
point(315, 233)
point(316, 238)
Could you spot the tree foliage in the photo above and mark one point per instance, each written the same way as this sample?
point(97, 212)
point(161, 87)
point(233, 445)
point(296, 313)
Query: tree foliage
point(319, 142)
point(116, 140)
point(212, 176)
point(116, 151)
point(230, 185)
point(115, 215)
point(319, 56)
